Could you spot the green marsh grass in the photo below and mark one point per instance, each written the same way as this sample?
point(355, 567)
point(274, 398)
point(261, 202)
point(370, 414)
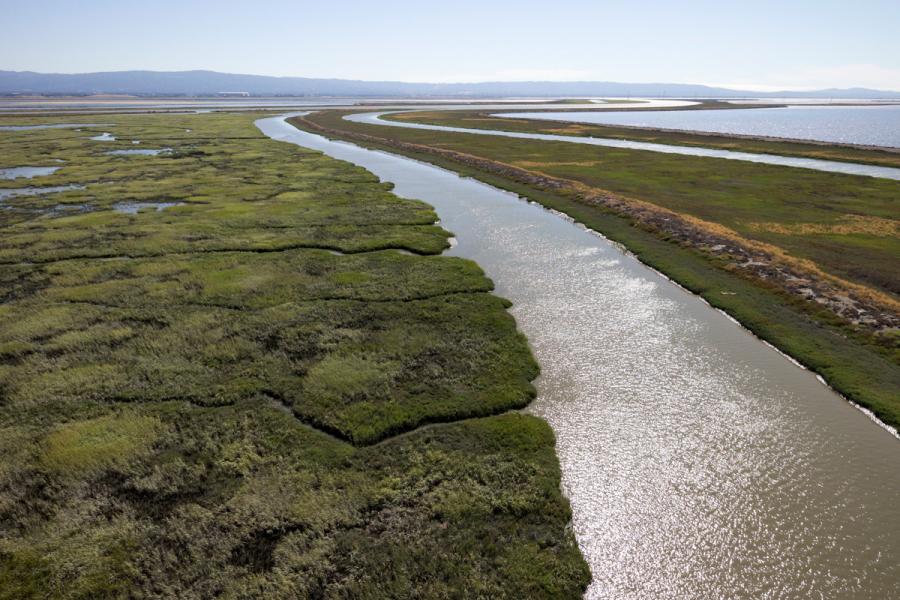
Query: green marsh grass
point(862, 366)
point(254, 394)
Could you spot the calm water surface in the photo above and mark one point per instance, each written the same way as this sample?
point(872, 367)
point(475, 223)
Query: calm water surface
point(27, 172)
point(868, 125)
point(13, 105)
point(133, 208)
point(139, 152)
point(6, 193)
point(830, 166)
point(699, 462)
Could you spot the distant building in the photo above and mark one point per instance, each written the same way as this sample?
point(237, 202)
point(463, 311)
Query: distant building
point(234, 94)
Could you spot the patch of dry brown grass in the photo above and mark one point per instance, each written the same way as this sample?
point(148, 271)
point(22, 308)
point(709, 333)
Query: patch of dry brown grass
point(527, 164)
point(848, 225)
point(778, 255)
point(570, 130)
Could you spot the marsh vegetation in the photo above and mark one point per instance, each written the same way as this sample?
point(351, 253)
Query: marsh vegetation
point(273, 387)
point(480, 119)
point(804, 259)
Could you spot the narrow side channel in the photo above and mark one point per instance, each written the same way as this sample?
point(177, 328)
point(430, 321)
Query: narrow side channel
point(830, 166)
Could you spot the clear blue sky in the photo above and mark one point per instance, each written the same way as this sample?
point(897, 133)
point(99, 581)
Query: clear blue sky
point(761, 44)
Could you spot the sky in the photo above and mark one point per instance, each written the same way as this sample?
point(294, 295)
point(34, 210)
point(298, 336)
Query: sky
point(760, 45)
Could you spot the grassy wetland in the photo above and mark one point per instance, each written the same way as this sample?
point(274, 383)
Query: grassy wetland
point(804, 259)
point(475, 119)
point(258, 380)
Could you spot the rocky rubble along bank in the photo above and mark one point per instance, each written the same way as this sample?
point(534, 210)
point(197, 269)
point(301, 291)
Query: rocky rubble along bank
point(857, 304)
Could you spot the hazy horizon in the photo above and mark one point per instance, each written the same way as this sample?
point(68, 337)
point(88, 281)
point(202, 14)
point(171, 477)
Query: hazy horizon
point(766, 46)
point(434, 82)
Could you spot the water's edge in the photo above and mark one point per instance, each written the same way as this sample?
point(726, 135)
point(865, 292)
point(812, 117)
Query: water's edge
point(895, 432)
point(828, 166)
point(623, 249)
point(758, 415)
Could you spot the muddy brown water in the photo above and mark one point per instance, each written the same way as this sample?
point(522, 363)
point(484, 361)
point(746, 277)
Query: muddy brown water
point(699, 461)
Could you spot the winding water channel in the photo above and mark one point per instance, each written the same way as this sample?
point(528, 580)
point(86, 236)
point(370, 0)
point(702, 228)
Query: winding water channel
point(831, 166)
point(700, 462)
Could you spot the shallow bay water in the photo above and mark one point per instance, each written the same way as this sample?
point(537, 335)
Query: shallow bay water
point(866, 125)
point(700, 462)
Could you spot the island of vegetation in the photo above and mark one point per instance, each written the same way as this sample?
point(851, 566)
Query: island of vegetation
point(804, 259)
point(237, 368)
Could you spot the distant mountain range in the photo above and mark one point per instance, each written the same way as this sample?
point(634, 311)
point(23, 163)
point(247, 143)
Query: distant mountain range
point(211, 83)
